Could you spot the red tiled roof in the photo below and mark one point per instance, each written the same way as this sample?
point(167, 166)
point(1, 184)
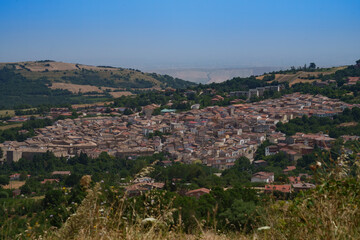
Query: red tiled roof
point(286, 188)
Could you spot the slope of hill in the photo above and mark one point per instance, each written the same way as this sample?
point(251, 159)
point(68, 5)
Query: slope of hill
point(47, 81)
point(301, 76)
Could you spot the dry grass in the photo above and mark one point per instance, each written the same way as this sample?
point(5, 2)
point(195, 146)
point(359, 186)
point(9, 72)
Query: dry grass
point(348, 124)
point(11, 126)
point(296, 77)
point(120, 94)
point(98, 104)
point(4, 113)
point(331, 211)
point(76, 88)
point(14, 185)
point(93, 220)
point(299, 80)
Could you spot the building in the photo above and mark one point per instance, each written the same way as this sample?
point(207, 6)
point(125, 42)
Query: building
point(64, 173)
point(271, 150)
point(285, 188)
point(302, 186)
point(168, 111)
point(265, 177)
point(198, 192)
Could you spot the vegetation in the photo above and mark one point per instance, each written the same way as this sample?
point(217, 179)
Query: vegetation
point(238, 210)
point(324, 124)
point(20, 85)
point(78, 209)
point(331, 211)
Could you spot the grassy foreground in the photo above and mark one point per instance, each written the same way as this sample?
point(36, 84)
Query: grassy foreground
point(331, 211)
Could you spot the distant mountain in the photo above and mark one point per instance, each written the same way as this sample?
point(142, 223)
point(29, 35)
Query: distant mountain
point(50, 82)
point(215, 75)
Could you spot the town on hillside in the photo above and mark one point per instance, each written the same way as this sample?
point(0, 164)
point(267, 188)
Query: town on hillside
point(214, 136)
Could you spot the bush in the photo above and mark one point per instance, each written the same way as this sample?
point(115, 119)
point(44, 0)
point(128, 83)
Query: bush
point(4, 194)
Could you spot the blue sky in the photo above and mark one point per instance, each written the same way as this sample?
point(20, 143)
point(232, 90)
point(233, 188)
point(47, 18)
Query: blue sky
point(181, 33)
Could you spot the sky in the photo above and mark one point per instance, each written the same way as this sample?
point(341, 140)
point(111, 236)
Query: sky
point(181, 33)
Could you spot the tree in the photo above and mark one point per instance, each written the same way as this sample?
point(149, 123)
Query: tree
point(53, 198)
point(241, 215)
point(312, 66)
point(4, 180)
point(358, 63)
point(128, 111)
point(356, 113)
point(23, 176)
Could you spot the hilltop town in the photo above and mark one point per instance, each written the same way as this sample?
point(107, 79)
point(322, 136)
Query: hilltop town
point(214, 136)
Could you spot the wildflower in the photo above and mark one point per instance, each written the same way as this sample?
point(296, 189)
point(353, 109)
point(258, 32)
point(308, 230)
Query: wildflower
point(318, 164)
point(148, 220)
point(263, 228)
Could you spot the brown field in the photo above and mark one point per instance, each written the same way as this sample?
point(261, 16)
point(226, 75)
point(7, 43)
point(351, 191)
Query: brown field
point(38, 197)
point(11, 126)
point(99, 104)
point(52, 66)
point(4, 113)
point(120, 94)
point(348, 124)
point(75, 88)
point(14, 185)
point(298, 80)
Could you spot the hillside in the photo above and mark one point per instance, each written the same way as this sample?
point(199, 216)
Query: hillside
point(47, 81)
point(300, 76)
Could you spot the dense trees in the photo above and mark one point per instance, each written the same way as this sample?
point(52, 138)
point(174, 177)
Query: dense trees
point(324, 124)
point(13, 134)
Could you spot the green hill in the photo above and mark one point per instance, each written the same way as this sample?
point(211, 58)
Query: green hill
point(53, 82)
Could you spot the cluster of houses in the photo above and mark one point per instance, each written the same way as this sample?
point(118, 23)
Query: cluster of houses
point(215, 136)
point(295, 183)
point(256, 92)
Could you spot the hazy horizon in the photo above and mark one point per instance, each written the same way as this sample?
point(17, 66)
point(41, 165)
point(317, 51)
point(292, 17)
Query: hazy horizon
point(188, 34)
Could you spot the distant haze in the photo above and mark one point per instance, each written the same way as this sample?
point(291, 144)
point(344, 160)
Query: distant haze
point(211, 75)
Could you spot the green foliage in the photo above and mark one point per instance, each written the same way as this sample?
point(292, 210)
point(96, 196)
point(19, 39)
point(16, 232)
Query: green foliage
point(323, 124)
point(4, 180)
point(241, 215)
point(241, 172)
point(330, 211)
point(260, 152)
point(4, 194)
point(16, 89)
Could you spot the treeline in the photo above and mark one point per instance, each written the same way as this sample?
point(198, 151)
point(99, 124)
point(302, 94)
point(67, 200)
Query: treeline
point(236, 84)
point(60, 198)
point(168, 81)
point(324, 124)
point(16, 89)
point(20, 134)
